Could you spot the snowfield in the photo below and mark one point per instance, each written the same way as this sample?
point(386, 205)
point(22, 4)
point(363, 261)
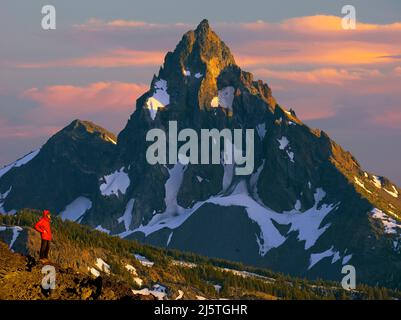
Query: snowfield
point(284, 145)
point(390, 225)
point(159, 99)
point(308, 224)
point(76, 209)
point(261, 129)
point(126, 218)
point(115, 183)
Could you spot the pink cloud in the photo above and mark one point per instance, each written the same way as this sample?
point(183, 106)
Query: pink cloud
point(111, 59)
point(9, 130)
point(94, 97)
point(107, 103)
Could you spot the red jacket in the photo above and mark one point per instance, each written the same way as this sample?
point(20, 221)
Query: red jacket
point(43, 226)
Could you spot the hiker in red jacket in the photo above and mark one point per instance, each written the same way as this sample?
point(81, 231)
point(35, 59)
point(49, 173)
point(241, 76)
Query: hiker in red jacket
point(43, 226)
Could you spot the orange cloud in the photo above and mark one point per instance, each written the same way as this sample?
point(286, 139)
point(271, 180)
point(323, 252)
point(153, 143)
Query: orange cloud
point(318, 23)
point(112, 59)
point(316, 53)
point(327, 23)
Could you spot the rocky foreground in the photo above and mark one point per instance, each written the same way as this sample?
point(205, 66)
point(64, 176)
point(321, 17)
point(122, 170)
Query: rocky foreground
point(21, 278)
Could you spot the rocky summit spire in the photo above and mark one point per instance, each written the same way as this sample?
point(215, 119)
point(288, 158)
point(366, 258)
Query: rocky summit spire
point(203, 27)
point(200, 57)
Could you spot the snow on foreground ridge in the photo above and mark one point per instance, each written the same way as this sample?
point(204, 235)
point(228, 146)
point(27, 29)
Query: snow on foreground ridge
point(144, 261)
point(159, 291)
point(16, 232)
point(307, 224)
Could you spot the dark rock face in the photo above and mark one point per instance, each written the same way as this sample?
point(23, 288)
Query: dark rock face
point(307, 209)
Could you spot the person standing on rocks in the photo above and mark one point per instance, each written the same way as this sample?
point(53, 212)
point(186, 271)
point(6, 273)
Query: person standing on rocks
point(43, 226)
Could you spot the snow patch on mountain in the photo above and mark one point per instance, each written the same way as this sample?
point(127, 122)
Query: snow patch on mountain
point(158, 291)
point(346, 259)
point(261, 129)
point(102, 265)
point(94, 272)
point(180, 295)
point(283, 141)
point(393, 193)
point(284, 145)
point(101, 229)
point(360, 183)
point(143, 260)
point(224, 99)
point(377, 182)
point(24, 160)
point(111, 140)
point(307, 224)
point(159, 99)
point(390, 224)
point(253, 183)
point(115, 183)
point(172, 187)
point(169, 239)
point(316, 257)
point(290, 155)
point(127, 216)
point(76, 209)
point(2, 199)
point(134, 274)
point(16, 232)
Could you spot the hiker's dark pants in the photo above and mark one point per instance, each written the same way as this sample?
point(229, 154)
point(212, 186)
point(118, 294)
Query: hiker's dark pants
point(44, 249)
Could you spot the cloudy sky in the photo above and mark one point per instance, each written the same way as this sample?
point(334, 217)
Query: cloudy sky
point(103, 55)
